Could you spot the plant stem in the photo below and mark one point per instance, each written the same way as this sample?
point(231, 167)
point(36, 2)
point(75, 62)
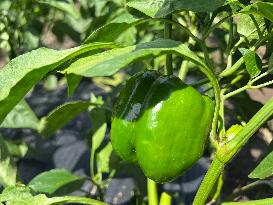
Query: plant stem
point(183, 70)
point(179, 25)
point(208, 182)
point(208, 72)
point(206, 54)
point(228, 95)
point(233, 68)
point(218, 188)
point(168, 35)
point(165, 199)
point(246, 87)
point(229, 149)
point(152, 192)
point(236, 66)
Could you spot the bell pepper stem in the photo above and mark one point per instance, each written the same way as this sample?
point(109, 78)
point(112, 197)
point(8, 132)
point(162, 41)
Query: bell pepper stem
point(165, 199)
point(168, 35)
point(152, 192)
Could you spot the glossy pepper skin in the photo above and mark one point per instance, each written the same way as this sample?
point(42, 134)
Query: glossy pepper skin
point(160, 123)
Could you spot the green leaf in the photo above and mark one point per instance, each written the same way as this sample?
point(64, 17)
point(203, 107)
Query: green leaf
point(103, 159)
point(55, 180)
point(23, 72)
point(246, 25)
point(8, 169)
point(261, 8)
point(267, 201)
point(20, 195)
point(65, 6)
point(112, 30)
point(98, 137)
point(73, 82)
point(21, 116)
point(109, 62)
point(252, 61)
point(161, 8)
point(264, 169)
point(60, 116)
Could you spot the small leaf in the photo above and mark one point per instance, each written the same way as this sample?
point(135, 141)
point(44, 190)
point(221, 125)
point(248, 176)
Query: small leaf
point(73, 82)
point(98, 137)
point(112, 30)
point(103, 159)
point(161, 8)
point(21, 116)
point(55, 180)
point(252, 61)
point(261, 8)
point(23, 72)
point(20, 195)
point(60, 116)
point(8, 169)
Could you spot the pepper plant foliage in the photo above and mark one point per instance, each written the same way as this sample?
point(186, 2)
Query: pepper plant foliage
point(225, 46)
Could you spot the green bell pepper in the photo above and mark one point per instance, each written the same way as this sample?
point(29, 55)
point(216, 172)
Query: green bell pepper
point(160, 123)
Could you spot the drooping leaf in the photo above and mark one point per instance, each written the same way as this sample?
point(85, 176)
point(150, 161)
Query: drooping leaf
point(252, 61)
point(109, 62)
point(8, 169)
point(161, 8)
point(114, 28)
point(56, 180)
point(65, 6)
point(261, 8)
point(247, 27)
point(23, 72)
point(60, 116)
point(21, 116)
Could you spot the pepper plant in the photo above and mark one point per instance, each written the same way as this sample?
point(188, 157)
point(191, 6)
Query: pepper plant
point(158, 121)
